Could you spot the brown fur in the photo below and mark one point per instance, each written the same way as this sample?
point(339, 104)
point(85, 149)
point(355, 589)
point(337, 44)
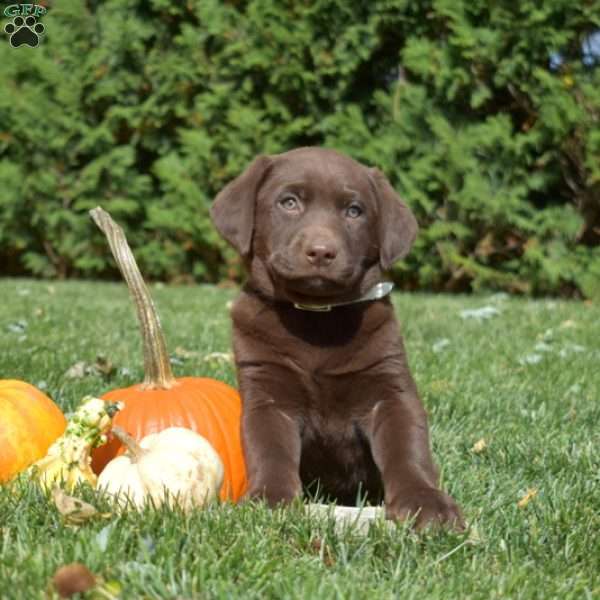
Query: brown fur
point(328, 398)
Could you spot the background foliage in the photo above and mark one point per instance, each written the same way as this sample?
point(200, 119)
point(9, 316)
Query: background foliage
point(484, 115)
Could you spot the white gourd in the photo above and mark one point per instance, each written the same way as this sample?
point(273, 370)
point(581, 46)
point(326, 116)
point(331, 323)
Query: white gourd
point(176, 465)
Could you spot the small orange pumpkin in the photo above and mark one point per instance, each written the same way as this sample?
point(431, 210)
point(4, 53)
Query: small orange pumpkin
point(207, 406)
point(29, 423)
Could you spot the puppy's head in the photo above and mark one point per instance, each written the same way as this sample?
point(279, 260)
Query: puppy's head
point(313, 225)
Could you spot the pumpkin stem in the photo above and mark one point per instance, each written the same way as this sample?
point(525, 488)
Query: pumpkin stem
point(133, 447)
point(157, 368)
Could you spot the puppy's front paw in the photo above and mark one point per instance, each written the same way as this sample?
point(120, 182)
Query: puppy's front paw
point(428, 506)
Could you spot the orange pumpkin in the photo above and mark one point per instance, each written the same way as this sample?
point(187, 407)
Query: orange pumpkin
point(29, 423)
point(207, 406)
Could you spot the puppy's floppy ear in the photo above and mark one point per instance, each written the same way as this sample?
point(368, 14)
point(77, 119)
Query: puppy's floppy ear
point(397, 226)
point(232, 211)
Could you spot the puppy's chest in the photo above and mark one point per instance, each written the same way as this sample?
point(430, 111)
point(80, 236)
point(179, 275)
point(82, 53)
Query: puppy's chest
point(313, 352)
point(327, 361)
point(330, 399)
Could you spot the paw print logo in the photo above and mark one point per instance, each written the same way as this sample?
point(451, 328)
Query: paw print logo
point(24, 31)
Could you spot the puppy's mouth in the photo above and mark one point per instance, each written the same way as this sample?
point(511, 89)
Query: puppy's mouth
point(308, 286)
point(315, 287)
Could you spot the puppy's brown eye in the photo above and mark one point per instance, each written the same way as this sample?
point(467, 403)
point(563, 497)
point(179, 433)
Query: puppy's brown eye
point(289, 203)
point(354, 211)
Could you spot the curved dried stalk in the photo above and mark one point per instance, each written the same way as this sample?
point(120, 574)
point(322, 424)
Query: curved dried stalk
point(157, 368)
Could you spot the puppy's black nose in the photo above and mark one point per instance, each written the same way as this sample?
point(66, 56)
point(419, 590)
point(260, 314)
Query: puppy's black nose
point(321, 254)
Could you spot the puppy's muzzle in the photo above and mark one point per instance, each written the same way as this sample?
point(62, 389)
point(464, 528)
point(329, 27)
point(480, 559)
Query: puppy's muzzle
point(319, 248)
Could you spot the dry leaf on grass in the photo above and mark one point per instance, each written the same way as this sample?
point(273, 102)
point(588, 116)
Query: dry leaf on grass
point(214, 357)
point(184, 353)
point(479, 314)
point(527, 498)
point(81, 369)
point(531, 359)
point(439, 386)
point(479, 446)
point(74, 510)
point(104, 366)
point(219, 357)
point(323, 549)
point(568, 324)
point(440, 344)
point(17, 326)
point(76, 371)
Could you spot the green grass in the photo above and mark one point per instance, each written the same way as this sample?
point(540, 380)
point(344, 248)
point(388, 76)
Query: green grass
point(540, 422)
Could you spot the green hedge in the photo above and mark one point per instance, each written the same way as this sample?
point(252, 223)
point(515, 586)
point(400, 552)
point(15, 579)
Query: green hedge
point(485, 116)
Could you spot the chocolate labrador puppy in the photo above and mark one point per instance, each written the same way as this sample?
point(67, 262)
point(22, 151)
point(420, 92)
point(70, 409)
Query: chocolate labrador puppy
point(328, 397)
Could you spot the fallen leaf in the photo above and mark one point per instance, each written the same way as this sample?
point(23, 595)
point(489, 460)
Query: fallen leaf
point(439, 386)
point(322, 548)
point(219, 357)
point(568, 324)
point(531, 359)
point(479, 314)
point(74, 510)
point(76, 371)
point(103, 365)
point(81, 369)
point(479, 446)
point(214, 357)
point(527, 498)
point(181, 352)
point(571, 349)
point(440, 344)
point(474, 536)
point(18, 327)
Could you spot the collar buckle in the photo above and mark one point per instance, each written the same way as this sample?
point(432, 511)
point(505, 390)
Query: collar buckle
point(313, 308)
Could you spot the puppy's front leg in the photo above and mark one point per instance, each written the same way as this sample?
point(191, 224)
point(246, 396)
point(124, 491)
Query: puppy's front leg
point(400, 447)
point(271, 442)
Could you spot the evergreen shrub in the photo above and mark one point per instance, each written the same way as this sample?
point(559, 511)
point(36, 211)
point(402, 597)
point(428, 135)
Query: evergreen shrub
point(484, 115)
